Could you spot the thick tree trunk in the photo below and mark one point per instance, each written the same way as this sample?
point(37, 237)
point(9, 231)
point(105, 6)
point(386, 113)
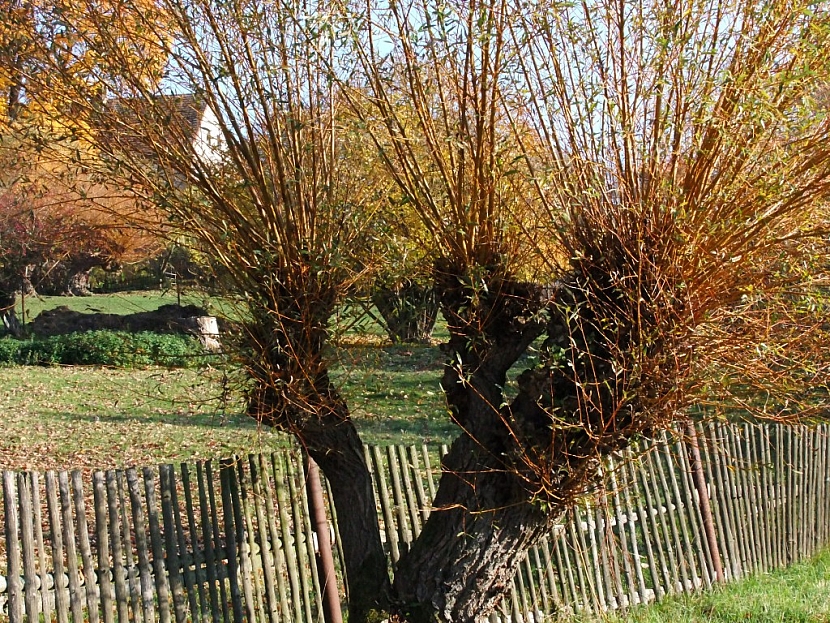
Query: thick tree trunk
point(485, 513)
point(482, 523)
point(326, 431)
point(8, 317)
point(77, 284)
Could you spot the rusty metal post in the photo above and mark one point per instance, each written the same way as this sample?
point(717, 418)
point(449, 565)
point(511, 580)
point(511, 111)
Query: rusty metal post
point(325, 558)
point(703, 497)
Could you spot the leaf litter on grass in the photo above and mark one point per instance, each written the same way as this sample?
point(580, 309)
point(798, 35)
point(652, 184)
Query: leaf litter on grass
point(95, 418)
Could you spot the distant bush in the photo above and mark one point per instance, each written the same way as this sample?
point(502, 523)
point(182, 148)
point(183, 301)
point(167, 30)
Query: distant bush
point(105, 348)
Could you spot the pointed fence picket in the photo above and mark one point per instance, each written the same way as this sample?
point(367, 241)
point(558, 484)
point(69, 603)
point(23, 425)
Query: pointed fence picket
point(231, 540)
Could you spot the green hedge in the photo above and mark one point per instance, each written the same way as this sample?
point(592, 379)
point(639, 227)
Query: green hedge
point(105, 348)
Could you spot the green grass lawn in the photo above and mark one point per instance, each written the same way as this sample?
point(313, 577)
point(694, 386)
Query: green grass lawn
point(93, 417)
point(98, 417)
point(798, 594)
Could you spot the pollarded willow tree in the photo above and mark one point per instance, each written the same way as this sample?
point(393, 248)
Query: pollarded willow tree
point(665, 161)
point(617, 181)
point(243, 142)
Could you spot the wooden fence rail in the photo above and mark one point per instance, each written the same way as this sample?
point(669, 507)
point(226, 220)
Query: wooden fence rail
point(232, 540)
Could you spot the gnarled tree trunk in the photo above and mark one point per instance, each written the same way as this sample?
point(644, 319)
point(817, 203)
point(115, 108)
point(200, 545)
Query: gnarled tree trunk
point(516, 467)
point(485, 514)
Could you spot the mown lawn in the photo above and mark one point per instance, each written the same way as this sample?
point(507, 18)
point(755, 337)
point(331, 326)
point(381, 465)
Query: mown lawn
point(798, 594)
point(98, 417)
point(68, 417)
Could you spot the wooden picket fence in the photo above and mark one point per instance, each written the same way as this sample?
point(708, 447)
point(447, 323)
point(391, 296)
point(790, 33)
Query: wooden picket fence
point(233, 541)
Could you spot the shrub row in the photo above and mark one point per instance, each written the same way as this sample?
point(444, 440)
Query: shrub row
point(105, 348)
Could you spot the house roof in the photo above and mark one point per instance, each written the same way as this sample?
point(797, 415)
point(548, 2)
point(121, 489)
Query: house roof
point(136, 124)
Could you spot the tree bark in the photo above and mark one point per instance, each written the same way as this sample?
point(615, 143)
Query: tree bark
point(482, 523)
point(77, 284)
point(486, 513)
point(338, 450)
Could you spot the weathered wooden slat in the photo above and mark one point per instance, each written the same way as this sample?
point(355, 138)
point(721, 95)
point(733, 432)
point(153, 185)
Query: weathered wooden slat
point(771, 493)
point(530, 584)
point(289, 550)
point(674, 507)
point(725, 461)
point(339, 554)
point(99, 492)
point(278, 554)
point(763, 493)
point(818, 487)
point(13, 567)
point(46, 581)
point(56, 536)
point(825, 431)
point(76, 593)
point(813, 462)
point(613, 541)
point(133, 573)
point(649, 524)
point(546, 577)
point(579, 554)
point(693, 515)
point(145, 572)
point(744, 485)
point(756, 499)
point(633, 520)
point(266, 544)
point(793, 496)
point(90, 579)
point(157, 547)
point(634, 502)
point(190, 559)
point(824, 493)
point(660, 507)
point(220, 542)
point(521, 597)
point(601, 538)
point(429, 472)
point(767, 493)
point(803, 518)
point(411, 505)
point(385, 505)
point(587, 559)
point(625, 533)
point(251, 552)
point(424, 502)
point(167, 491)
point(395, 468)
point(31, 593)
point(214, 576)
point(226, 479)
point(119, 573)
point(563, 564)
point(803, 487)
point(302, 535)
point(714, 472)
